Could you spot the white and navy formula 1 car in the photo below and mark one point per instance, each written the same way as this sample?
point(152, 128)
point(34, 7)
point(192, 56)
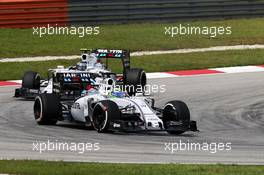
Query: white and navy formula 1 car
point(70, 81)
point(106, 110)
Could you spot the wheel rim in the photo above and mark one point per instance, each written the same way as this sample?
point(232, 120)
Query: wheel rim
point(143, 79)
point(38, 109)
point(171, 115)
point(171, 112)
point(37, 81)
point(100, 118)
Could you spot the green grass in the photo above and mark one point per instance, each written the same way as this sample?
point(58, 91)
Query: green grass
point(146, 36)
point(155, 63)
point(63, 168)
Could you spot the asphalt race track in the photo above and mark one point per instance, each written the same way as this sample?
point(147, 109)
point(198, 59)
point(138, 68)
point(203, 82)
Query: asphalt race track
point(227, 107)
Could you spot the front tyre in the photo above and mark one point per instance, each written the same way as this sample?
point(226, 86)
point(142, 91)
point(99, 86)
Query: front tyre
point(103, 114)
point(47, 109)
point(176, 117)
point(31, 80)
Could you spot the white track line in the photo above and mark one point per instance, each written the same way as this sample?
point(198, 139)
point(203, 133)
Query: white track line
point(240, 69)
point(159, 75)
point(140, 53)
point(216, 48)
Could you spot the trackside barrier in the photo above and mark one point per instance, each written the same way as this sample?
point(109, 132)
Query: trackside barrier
point(28, 13)
point(125, 11)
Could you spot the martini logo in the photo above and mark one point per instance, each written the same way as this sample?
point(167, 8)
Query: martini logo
point(110, 51)
point(116, 51)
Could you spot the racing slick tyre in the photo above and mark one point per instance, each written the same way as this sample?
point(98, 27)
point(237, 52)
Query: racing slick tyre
point(104, 113)
point(31, 80)
point(47, 109)
point(135, 80)
point(176, 112)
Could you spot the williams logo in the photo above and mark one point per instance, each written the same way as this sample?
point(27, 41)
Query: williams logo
point(71, 75)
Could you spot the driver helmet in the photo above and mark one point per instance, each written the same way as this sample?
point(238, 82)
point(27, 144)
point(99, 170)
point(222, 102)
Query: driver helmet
point(81, 66)
point(119, 94)
point(88, 89)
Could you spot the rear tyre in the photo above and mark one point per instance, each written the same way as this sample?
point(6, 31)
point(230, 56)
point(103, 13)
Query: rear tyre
point(176, 111)
point(31, 80)
point(135, 80)
point(104, 113)
point(47, 109)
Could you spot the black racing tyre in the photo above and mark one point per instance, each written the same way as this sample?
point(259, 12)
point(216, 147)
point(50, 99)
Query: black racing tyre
point(176, 111)
point(47, 109)
point(31, 80)
point(104, 113)
point(135, 80)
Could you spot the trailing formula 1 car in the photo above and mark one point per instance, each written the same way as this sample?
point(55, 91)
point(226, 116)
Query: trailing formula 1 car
point(70, 81)
point(106, 111)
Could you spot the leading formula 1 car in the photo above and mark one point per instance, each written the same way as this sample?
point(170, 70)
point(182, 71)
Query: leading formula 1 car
point(68, 81)
point(105, 109)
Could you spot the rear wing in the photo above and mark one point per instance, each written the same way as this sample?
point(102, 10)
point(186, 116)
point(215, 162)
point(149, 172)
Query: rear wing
point(124, 55)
